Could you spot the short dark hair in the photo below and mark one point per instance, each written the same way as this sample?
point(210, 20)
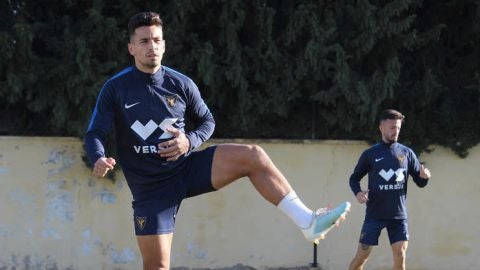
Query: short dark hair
point(391, 114)
point(143, 19)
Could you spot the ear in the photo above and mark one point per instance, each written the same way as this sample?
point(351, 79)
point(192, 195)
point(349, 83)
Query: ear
point(131, 49)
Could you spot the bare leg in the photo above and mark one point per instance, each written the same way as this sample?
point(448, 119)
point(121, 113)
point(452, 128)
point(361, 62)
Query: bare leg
point(230, 162)
point(358, 262)
point(155, 250)
point(399, 250)
point(234, 161)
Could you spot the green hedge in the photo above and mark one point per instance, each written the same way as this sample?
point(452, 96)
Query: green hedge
point(268, 69)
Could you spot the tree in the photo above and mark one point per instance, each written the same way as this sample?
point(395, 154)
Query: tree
point(268, 69)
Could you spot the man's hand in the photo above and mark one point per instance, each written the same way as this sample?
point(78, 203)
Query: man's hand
point(103, 165)
point(424, 172)
point(362, 196)
point(176, 147)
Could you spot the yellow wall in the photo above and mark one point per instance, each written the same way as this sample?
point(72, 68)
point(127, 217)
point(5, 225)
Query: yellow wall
point(55, 215)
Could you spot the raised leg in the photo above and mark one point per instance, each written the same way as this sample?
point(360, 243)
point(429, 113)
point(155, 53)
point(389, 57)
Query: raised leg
point(234, 161)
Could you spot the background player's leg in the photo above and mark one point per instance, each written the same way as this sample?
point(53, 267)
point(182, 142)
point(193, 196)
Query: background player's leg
point(233, 161)
point(358, 262)
point(399, 250)
point(155, 250)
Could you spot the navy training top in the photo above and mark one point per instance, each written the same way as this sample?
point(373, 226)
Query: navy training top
point(140, 106)
point(388, 166)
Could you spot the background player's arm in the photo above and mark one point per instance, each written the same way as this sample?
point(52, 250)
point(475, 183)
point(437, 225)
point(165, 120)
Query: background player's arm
point(424, 172)
point(420, 174)
point(361, 169)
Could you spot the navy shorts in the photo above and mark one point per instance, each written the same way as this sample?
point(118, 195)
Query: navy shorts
point(397, 231)
point(156, 213)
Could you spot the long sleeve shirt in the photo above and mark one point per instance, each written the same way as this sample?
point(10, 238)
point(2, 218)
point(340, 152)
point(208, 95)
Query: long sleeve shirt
point(140, 107)
point(388, 167)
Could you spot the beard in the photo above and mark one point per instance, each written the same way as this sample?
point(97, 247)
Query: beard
point(152, 63)
point(392, 139)
point(148, 65)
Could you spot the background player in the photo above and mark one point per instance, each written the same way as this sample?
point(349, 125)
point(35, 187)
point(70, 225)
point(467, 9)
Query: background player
point(388, 165)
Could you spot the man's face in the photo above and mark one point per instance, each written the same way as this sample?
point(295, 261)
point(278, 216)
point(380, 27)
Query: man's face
point(147, 47)
point(390, 130)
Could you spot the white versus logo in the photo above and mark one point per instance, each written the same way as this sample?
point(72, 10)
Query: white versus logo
point(144, 131)
point(388, 175)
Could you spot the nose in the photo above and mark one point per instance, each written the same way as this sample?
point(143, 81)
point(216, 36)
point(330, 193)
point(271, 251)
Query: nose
point(152, 45)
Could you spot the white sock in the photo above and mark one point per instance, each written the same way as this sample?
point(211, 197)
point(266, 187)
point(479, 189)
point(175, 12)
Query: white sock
point(293, 207)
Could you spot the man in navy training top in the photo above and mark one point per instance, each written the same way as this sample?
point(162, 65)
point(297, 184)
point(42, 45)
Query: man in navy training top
point(388, 165)
point(147, 105)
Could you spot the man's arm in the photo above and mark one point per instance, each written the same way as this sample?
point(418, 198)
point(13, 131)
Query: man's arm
point(361, 169)
point(420, 174)
point(203, 126)
point(99, 126)
point(201, 117)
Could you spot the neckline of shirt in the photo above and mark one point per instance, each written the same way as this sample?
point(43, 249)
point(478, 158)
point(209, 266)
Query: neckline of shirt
point(151, 78)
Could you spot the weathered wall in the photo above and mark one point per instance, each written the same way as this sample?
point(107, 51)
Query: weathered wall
point(55, 215)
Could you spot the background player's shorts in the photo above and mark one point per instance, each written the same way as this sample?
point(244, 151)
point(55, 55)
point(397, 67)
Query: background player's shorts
point(397, 231)
point(156, 212)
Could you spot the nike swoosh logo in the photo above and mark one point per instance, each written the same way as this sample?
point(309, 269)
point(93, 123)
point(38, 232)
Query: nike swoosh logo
point(378, 159)
point(128, 106)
